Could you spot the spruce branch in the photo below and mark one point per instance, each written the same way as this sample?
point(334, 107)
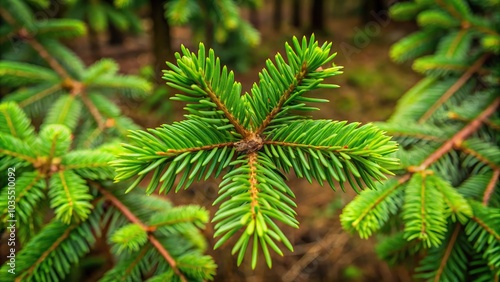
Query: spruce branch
point(134, 219)
point(40, 95)
point(284, 97)
point(491, 186)
point(447, 253)
point(50, 250)
point(463, 14)
point(460, 136)
point(454, 88)
point(446, 125)
point(259, 136)
point(94, 112)
point(72, 79)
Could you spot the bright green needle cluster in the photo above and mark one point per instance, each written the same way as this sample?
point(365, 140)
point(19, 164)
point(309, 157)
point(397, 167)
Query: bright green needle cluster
point(254, 138)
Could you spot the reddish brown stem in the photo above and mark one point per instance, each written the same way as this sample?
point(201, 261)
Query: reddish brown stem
point(36, 45)
point(174, 152)
point(447, 253)
point(461, 135)
point(239, 128)
point(56, 244)
point(134, 219)
point(456, 139)
point(454, 88)
point(491, 187)
point(299, 77)
point(54, 64)
point(94, 112)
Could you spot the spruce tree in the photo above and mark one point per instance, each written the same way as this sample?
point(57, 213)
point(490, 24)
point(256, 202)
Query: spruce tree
point(442, 212)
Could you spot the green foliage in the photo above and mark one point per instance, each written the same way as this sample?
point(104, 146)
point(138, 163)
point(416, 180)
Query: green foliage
point(75, 96)
point(254, 138)
point(442, 211)
point(227, 32)
point(223, 15)
point(99, 14)
point(177, 229)
point(47, 160)
point(50, 254)
point(148, 231)
point(59, 177)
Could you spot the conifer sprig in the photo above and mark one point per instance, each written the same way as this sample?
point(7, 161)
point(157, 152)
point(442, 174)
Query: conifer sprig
point(63, 85)
point(448, 192)
point(259, 136)
point(49, 161)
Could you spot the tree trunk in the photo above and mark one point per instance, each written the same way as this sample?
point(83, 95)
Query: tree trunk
point(296, 22)
point(161, 40)
point(317, 16)
point(278, 14)
point(371, 7)
point(95, 48)
point(254, 17)
point(116, 36)
point(209, 33)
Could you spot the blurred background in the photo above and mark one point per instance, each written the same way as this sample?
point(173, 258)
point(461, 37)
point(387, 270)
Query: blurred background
point(142, 34)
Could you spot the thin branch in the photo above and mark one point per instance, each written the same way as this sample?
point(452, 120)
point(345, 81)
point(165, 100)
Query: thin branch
point(20, 156)
point(56, 244)
point(94, 112)
point(307, 146)
point(26, 35)
point(174, 152)
point(485, 226)
point(477, 155)
point(402, 180)
point(252, 160)
point(330, 241)
point(134, 219)
point(491, 187)
point(239, 128)
point(422, 203)
point(54, 64)
point(454, 88)
point(40, 95)
point(298, 78)
point(470, 128)
point(447, 253)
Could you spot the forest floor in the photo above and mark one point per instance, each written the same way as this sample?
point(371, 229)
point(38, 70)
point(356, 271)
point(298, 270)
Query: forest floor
point(370, 87)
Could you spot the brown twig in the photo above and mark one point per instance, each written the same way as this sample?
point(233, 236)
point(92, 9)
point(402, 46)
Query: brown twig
point(44, 255)
point(477, 155)
point(252, 160)
point(299, 77)
point(454, 88)
point(239, 128)
point(54, 64)
point(470, 128)
point(26, 35)
point(134, 219)
point(94, 112)
point(491, 186)
point(174, 152)
point(447, 253)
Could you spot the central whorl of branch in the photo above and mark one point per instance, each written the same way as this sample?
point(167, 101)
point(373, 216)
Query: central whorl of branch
point(250, 144)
